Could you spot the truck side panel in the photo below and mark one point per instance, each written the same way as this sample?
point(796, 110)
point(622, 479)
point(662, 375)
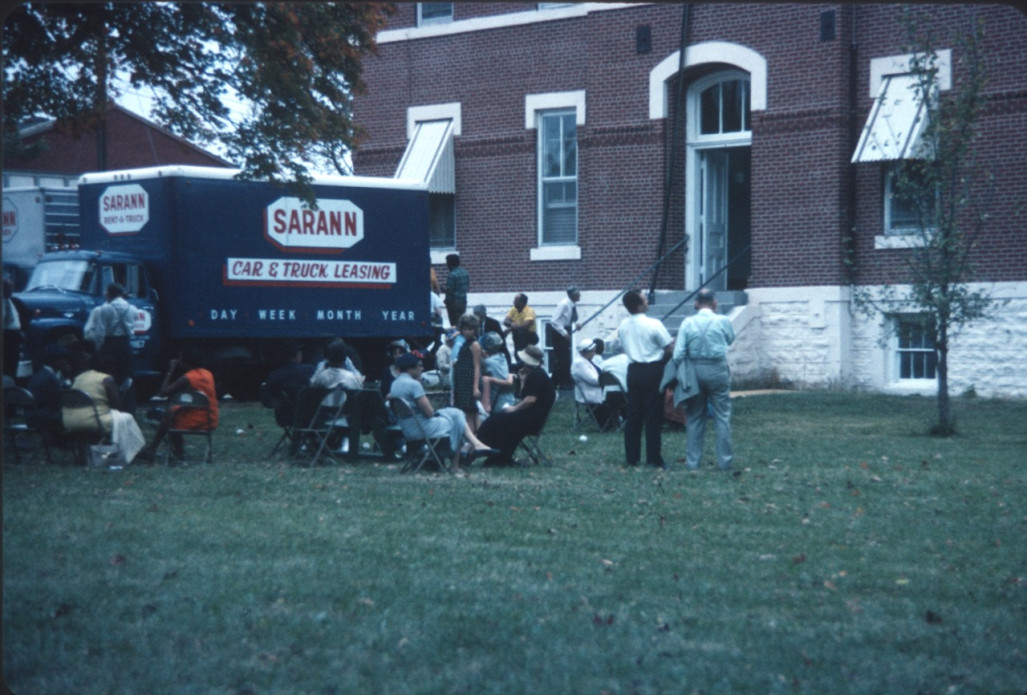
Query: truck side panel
point(248, 260)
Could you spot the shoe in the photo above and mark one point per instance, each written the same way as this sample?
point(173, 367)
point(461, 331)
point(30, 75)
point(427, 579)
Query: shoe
point(478, 453)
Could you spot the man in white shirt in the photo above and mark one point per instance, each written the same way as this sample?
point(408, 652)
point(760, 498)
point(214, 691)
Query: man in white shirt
point(559, 333)
point(647, 344)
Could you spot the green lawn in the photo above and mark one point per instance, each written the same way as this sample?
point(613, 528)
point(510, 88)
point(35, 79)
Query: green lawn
point(853, 554)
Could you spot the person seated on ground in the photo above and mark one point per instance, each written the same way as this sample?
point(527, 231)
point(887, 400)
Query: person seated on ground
point(98, 382)
point(444, 422)
point(184, 374)
point(498, 382)
point(46, 385)
point(585, 370)
point(367, 413)
point(505, 429)
point(282, 384)
point(389, 372)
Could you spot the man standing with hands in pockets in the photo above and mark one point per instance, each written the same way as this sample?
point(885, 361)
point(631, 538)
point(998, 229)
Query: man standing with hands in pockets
point(647, 344)
point(704, 338)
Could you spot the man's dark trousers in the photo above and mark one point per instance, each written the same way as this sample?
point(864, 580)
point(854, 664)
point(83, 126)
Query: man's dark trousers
point(644, 407)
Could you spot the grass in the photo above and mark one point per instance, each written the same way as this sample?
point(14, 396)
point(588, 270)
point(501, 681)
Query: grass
point(853, 554)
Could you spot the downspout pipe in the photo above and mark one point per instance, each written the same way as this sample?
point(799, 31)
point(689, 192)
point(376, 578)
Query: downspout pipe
point(679, 117)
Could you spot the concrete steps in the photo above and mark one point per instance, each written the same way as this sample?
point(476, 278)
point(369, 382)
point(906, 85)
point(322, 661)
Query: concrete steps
point(663, 306)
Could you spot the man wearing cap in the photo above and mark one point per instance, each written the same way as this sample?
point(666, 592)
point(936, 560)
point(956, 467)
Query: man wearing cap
point(505, 429)
point(559, 333)
point(704, 338)
point(585, 370)
point(647, 344)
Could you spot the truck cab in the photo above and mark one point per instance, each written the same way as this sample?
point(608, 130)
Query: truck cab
point(64, 288)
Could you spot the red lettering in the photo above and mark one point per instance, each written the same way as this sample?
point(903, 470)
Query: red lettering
point(351, 224)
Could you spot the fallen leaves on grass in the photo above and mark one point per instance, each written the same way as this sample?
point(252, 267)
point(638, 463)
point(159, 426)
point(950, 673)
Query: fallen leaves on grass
point(933, 618)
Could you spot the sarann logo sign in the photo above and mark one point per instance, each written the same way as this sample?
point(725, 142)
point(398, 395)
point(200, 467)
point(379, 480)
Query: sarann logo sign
point(10, 220)
point(334, 226)
point(124, 209)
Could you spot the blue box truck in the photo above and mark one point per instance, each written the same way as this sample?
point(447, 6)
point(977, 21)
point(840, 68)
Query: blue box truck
point(239, 267)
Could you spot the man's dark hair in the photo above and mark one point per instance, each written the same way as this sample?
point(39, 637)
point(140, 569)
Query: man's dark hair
point(192, 356)
point(633, 300)
point(452, 261)
point(115, 290)
point(705, 297)
point(335, 353)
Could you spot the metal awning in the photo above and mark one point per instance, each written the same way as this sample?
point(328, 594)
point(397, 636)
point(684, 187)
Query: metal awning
point(429, 156)
point(896, 124)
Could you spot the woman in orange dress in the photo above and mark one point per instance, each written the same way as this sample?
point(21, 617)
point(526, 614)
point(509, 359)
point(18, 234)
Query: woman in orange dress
point(185, 373)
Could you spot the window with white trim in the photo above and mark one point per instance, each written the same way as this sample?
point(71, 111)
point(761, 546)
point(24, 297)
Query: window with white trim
point(907, 208)
point(915, 356)
point(558, 177)
point(434, 13)
point(724, 107)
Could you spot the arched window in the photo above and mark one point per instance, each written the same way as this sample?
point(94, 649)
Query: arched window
point(724, 107)
point(720, 107)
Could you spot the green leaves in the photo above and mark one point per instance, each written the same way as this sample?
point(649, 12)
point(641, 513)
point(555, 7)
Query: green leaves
point(296, 67)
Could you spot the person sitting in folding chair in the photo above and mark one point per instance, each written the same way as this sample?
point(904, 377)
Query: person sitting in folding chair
point(98, 383)
point(444, 422)
point(505, 429)
point(184, 373)
point(586, 370)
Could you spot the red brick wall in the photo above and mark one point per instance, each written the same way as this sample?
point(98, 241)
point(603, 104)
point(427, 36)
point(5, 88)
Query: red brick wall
point(801, 145)
point(131, 143)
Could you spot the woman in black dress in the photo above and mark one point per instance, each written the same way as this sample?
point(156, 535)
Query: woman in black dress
point(504, 430)
point(467, 371)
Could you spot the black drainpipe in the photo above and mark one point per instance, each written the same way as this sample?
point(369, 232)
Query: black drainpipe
point(679, 118)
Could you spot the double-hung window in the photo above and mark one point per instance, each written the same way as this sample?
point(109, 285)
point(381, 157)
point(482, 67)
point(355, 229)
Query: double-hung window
point(914, 349)
point(908, 207)
point(558, 177)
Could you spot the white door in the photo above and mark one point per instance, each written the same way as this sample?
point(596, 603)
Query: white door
point(713, 218)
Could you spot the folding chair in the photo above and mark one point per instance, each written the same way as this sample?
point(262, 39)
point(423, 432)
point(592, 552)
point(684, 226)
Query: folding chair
point(82, 439)
point(423, 448)
point(19, 404)
point(317, 416)
point(186, 400)
point(584, 412)
point(532, 446)
point(283, 401)
point(615, 395)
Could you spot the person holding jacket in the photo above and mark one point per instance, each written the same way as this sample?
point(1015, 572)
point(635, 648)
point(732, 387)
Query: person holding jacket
point(704, 338)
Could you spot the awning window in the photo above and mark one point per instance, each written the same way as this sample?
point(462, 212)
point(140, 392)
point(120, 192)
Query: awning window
point(896, 124)
point(429, 156)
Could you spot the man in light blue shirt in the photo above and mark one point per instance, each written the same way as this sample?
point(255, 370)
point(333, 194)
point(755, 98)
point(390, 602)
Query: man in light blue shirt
point(704, 338)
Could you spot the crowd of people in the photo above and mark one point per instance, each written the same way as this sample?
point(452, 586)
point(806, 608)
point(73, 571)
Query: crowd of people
point(492, 373)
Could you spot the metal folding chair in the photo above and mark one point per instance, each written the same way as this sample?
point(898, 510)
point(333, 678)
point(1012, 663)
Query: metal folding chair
point(584, 412)
point(615, 395)
point(423, 448)
point(318, 415)
point(283, 401)
point(531, 444)
point(81, 439)
point(190, 399)
point(19, 404)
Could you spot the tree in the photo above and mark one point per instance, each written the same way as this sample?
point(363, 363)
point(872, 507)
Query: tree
point(949, 194)
point(295, 65)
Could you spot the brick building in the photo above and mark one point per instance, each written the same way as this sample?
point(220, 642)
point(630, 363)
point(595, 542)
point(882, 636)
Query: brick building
point(131, 142)
point(577, 143)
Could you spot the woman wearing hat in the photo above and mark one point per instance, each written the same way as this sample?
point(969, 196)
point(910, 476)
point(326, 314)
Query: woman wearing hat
point(505, 429)
point(444, 422)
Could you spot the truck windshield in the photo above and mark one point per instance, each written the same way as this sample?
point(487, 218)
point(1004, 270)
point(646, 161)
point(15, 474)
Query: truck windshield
point(74, 276)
